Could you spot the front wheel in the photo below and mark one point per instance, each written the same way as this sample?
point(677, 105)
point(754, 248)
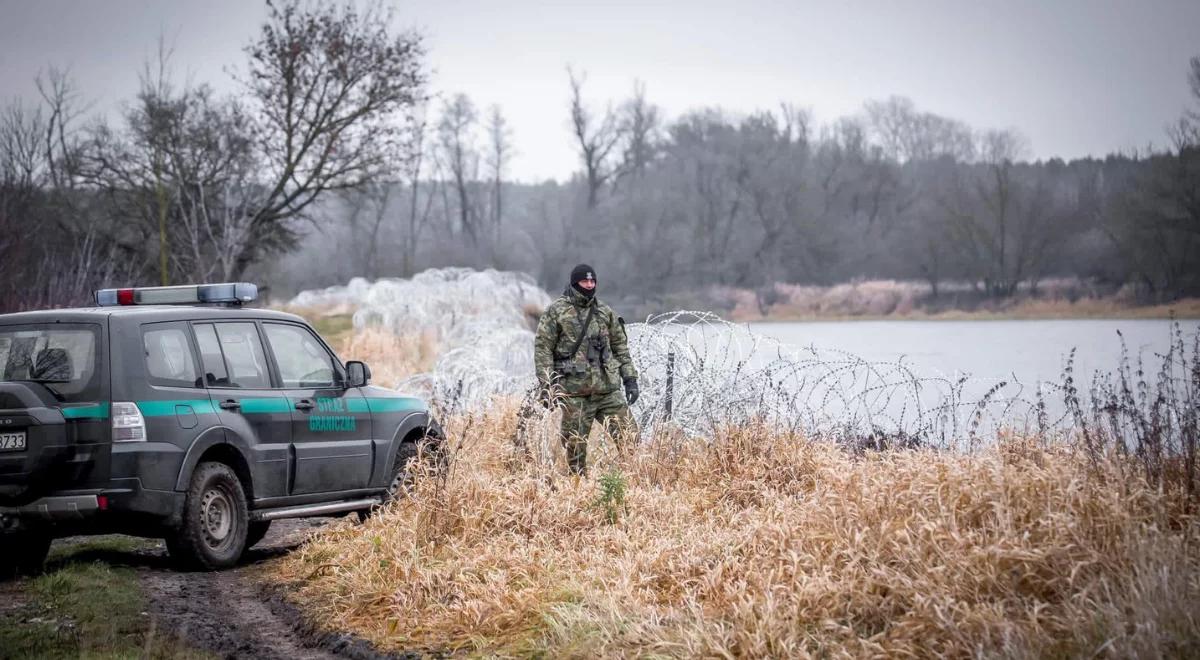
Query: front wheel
point(402, 477)
point(23, 553)
point(215, 520)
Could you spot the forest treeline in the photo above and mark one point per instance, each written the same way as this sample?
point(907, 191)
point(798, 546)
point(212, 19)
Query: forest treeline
point(332, 160)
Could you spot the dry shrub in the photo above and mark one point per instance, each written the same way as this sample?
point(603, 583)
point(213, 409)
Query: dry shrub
point(391, 357)
point(759, 544)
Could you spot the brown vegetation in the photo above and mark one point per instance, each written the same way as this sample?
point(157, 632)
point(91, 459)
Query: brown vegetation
point(391, 357)
point(1063, 298)
point(753, 543)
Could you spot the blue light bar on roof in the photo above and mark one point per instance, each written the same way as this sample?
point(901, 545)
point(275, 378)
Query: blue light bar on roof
point(188, 294)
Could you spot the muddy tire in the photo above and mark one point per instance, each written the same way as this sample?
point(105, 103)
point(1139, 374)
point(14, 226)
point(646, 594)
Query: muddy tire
point(256, 532)
point(216, 520)
point(23, 553)
point(402, 478)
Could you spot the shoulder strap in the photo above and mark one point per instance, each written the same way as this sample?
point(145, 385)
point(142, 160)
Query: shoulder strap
point(582, 332)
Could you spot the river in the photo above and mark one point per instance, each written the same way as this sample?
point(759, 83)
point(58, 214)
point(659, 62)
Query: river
point(940, 378)
point(1029, 351)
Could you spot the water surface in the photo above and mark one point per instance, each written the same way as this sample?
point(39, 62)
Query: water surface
point(1030, 351)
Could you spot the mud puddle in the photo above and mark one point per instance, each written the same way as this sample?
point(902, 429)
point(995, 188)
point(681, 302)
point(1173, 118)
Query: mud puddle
point(231, 613)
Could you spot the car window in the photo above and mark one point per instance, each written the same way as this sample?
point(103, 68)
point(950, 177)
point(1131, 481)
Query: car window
point(169, 359)
point(245, 362)
point(215, 373)
point(62, 357)
point(302, 360)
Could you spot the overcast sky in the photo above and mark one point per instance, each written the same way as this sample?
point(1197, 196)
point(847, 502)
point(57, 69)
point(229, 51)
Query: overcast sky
point(1077, 77)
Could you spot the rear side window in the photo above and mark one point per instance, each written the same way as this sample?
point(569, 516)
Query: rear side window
point(302, 360)
point(211, 357)
point(169, 359)
point(62, 357)
point(245, 362)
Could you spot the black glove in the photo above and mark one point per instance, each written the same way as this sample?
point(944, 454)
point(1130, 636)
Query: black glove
point(545, 397)
point(631, 390)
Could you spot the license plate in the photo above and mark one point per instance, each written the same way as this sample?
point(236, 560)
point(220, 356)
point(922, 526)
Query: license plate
point(12, 441)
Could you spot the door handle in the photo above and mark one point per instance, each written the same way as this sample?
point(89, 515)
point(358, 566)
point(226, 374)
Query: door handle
point(304, 404)
point(230, 404)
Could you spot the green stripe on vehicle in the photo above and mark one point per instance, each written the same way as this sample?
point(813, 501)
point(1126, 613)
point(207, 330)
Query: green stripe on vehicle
point(265, 405)
point(93, 411)
point(170, 407)
point(249, 405)
point(389, 404)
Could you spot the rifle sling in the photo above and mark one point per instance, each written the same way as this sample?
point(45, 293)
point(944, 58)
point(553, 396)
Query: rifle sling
point(582, 332)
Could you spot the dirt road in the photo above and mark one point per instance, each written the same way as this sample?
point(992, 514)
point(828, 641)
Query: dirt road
point(231, 613)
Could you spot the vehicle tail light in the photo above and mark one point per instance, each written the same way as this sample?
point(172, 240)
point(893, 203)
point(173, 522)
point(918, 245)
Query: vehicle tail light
point(128, 425)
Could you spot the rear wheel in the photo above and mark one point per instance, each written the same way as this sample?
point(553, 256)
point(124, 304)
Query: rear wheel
point(23, 553)
point(215, 520)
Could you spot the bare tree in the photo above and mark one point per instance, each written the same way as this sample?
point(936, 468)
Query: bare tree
point(61, 99)
point(1186, 133)
point(774, 165)
point(23, 165)
point(1155, 222)
point(332, 91)
point(596, 139)
point(641, 123)
point(418, 214)
point(71, 250)
point(1003, 224)
point(500, 152)
point(907, 134)
point(368, 210)
point(705, 168)
point(456, 140)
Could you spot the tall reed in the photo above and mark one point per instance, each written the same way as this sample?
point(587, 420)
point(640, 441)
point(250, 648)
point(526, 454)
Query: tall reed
point(758, 543)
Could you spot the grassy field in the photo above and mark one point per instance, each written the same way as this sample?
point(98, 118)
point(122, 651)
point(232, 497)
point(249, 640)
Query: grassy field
point(753, 543)
point(81, 608)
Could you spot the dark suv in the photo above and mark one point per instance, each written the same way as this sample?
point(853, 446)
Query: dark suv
point(198, 423)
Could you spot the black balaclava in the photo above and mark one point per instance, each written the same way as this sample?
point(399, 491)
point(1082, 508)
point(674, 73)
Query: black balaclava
point(582, 272)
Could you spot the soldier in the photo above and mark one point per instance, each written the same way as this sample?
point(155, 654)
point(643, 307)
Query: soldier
point(581, 357)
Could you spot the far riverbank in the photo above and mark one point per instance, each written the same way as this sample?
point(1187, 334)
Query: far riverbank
point(891, 300)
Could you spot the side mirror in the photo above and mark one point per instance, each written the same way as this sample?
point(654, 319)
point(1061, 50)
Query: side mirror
point(358, 374)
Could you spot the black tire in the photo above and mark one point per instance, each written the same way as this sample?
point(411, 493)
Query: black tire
point(402, 478)
point(215, 523)
point(256, 532)
point(23, 553)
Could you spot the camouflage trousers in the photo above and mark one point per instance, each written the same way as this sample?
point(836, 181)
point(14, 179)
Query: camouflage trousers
point(578, 414)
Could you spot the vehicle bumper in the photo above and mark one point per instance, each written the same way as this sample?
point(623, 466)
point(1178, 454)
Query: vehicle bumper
point(124, 504)
point(61, 507)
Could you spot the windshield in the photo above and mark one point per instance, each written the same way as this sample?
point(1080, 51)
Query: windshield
point(60, 356)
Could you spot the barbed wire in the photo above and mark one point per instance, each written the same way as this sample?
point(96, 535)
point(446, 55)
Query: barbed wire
point(699, 373)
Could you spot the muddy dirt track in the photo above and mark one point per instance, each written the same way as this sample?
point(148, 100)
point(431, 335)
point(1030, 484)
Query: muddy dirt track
point(230, 613)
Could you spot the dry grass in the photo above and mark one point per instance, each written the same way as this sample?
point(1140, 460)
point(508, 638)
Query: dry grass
point(890, 299)
point(760, 544)
point(391, 357)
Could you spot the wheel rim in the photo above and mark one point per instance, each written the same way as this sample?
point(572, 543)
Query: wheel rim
point(399, 483)
point(216, 517)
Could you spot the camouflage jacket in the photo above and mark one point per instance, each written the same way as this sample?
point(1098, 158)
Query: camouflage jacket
point(602, 362)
